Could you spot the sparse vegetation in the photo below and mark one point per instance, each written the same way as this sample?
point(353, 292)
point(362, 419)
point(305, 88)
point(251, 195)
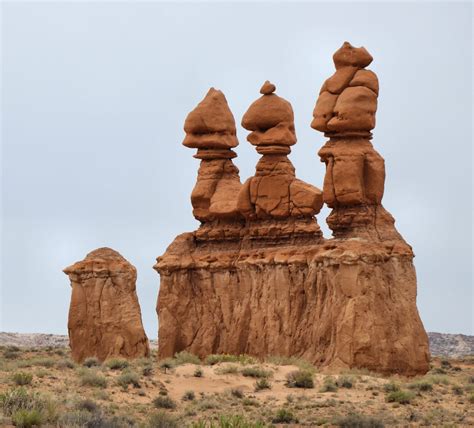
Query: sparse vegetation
point(423, 386)
point(255, 372)
point(22, 378)
point(284, 416)
point(198, 372)
point(128, 378)
point(345, 382)
point(89, 377)
point(262, 384)
point(355, 420)
point(117, 364)
point(189, 396)
point(91, 362)
point(162, 420)
point(164, 402)
point(401, 397)
point(184, 357)
point(300, 379)
point(226, 358)
point(329, 385)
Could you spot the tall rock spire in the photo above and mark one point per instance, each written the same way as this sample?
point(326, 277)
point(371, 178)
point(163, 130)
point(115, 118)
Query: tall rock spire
point(275, 192)
point(210, 128)
point(355, 172)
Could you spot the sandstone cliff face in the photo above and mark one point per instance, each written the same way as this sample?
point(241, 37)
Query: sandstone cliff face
point(104, 315)
point(264, 281)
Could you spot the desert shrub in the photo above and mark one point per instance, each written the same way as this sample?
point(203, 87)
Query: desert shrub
point(91, 362)
point(227, 369)
point(128, 378)
point(299, 379)
point(356, 420)
point(11, 353)
point(457, 390)
point(19, 399)
point(250, 402)
point(27, 418)
point(471, 398)
point(237, 393)
point(262, 384)
point(92, 378)
point(329, 385)
point(166, 364)
point(198, 372)
point(189, 396)
point(284, 416)
point(402, 397)
point(423, 386)
point(256, 372)
point(22, 378)
point(147, 371)
point(84, 418)
point(345, 382)
point(185, 357)
point(87, 405)
point(226, 358)
point(207, 404)
point(43, 362)
point(391, 387)
point(164, 402)
point(117, 364)
point(445, 364)
point(233, 421)
point(438, 370)
point(438, 379)
point(41, 373)
point(65, 364)
point(162, 420)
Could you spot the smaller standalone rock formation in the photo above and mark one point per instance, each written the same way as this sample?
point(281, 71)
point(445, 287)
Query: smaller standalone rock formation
point(210, 128)
point(274, 193)
point(104, 315)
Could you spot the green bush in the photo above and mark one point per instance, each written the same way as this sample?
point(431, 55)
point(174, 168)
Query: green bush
point(22, 378)
point(87, 405)
point(65, 364)
point(11, 354)
point(189, 396)
point(17, 400)
point(402, 397)
point(227, 369)
point(117, 364)
point(92, 378)
point(91, 362)
point(345, 382)
point(262, 384)
point(391, 387)
point(166, 364)
point(198, 372)
point(128, 378)
point(255, 372)
point(358, 421)
point(280, 360)
point(300, 379)
point(226, 358)
point(147, 370)
point(457, 390)
point(185, 357)
point(284, 416)
point(423, 386)
point(329, 385)
point(237, 393)
point(162, 420)
point(164, 402)
point(27, 418)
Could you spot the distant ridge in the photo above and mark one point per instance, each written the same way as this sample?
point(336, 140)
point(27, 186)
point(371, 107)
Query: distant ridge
point(441, 344)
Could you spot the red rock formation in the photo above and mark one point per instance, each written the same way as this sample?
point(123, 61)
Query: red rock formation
point(277, 287)
point(210, 128)
point(104, 315)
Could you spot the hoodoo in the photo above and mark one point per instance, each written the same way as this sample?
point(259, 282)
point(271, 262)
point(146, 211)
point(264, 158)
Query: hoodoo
point(257, 277)
point(104, 316)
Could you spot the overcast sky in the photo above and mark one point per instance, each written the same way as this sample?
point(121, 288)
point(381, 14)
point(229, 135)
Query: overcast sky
point(93, 104)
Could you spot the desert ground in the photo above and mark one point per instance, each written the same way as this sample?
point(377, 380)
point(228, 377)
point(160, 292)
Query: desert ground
point(44, 387)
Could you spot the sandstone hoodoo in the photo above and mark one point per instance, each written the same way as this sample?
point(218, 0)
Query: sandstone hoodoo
point(275, 286)
point(104, 315)
point(210, 128)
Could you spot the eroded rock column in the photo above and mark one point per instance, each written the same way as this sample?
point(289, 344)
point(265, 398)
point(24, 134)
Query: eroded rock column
point(104, 314)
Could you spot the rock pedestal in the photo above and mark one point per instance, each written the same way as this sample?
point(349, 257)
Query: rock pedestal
point(275, 286)
point(104, 315)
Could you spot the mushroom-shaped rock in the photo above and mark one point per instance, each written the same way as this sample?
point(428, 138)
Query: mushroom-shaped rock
point(104, 315)
point(211, 124)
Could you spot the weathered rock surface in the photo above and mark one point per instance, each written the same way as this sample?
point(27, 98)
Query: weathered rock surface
point(104, 315)
point(268, 282)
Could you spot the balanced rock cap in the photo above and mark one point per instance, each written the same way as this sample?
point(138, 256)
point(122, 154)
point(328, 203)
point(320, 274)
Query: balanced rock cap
point(211, 124)
point(348, 55)
point(268, 111)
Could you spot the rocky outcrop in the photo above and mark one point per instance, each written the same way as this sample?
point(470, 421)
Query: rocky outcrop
point(104, 315)
point(276, 286)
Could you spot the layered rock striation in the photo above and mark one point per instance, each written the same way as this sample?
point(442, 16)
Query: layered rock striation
point(277, 287)
point(104, 315)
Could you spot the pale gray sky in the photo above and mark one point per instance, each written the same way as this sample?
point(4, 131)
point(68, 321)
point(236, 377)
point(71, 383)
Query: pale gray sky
point(93, 104)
